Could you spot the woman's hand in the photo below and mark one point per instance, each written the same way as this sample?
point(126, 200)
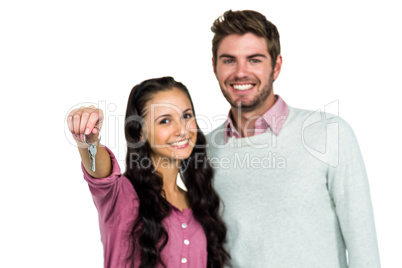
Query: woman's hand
point(84, 120)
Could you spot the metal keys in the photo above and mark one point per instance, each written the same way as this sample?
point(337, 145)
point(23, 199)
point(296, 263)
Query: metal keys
point(92, 153)
point(92, 150)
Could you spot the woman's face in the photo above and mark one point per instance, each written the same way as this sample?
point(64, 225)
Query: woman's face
point(170, 126)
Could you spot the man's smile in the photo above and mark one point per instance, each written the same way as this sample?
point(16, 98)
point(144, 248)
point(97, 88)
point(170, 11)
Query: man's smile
point(242, 87)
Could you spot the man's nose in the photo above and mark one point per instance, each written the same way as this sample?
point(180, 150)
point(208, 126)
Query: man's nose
point(241, 69)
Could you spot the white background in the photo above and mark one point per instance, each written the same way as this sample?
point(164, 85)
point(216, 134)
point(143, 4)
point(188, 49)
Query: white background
point(56, 55)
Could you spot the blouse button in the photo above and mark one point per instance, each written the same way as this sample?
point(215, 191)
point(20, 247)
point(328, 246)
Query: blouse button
point(184, 225)
point(183, 260)
point(186, 242)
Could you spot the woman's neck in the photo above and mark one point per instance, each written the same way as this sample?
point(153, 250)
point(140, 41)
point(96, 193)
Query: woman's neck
point(173, 193)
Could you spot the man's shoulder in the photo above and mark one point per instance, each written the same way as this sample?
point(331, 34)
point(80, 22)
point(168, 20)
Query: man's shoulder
point(217, 134)
point(319, 116)
point(320, 122)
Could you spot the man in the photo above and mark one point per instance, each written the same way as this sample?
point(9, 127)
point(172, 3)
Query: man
point(292, 182)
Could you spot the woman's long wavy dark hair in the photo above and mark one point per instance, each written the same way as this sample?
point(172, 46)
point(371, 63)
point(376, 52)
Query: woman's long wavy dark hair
point(149, 235)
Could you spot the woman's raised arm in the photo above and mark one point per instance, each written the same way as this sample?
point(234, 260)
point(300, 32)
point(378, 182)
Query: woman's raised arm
point(85, 120)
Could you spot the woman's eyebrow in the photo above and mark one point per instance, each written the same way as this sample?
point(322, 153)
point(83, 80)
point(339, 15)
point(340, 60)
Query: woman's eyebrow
point(163, 115)
point(169, 115)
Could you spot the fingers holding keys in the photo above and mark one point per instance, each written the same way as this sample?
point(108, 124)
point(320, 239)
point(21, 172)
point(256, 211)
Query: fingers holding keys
point(85, 125)
point(94, 120)
point(83, 121)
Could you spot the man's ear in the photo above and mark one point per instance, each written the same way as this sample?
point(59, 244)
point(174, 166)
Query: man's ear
point(214, 67)
point(278, 66)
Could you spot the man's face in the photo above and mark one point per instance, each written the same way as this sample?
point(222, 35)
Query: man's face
point(244, 71)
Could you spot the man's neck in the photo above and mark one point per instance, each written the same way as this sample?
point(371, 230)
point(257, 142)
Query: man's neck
point(244, 119)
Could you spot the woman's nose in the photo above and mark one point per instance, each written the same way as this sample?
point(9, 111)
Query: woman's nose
point(180, 128)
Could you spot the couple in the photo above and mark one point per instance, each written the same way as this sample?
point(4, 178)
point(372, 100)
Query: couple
point(310, 211)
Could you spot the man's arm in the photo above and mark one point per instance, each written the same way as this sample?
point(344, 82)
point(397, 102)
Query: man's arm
point(349, 188)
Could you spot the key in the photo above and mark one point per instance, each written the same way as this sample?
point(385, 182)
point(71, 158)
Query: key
point(92, 152)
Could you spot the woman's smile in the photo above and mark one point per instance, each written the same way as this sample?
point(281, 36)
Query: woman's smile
point(180, 144)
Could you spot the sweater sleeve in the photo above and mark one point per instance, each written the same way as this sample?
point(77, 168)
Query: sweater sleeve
point(349, 188)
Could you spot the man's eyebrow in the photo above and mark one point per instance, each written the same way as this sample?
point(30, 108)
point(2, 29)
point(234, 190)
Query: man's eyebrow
point(256, 55)
point(249, 57)
point(225, 56)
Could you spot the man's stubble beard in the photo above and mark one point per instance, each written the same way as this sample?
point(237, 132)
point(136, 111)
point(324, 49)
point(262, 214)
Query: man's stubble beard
point(256, 102)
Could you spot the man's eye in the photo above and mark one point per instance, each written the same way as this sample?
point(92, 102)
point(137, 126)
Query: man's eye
point(228, 61)
point(255, 60)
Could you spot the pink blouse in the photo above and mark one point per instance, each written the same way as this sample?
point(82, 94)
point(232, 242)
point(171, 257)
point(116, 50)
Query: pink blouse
point(118, 204)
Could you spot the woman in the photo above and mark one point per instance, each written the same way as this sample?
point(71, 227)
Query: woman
point(146, 219)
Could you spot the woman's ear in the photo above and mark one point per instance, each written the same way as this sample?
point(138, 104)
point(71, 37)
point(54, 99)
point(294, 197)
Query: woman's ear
point(144, 131)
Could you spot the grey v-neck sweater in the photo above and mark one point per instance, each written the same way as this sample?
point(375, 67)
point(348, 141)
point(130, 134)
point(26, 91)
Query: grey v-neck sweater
point(299, 199)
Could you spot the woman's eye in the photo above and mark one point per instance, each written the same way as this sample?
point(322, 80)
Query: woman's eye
point(187, 116)
point(164, 121)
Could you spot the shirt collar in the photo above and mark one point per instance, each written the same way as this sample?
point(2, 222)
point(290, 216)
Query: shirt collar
point(272, 119)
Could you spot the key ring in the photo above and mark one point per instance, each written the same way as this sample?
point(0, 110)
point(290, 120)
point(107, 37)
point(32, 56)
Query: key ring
point(85, 138)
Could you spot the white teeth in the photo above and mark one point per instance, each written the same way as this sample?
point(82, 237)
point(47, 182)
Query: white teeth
point(242, 87)
point(179, 143)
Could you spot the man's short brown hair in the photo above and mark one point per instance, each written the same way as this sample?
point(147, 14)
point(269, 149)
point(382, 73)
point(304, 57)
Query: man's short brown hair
point(242, 22)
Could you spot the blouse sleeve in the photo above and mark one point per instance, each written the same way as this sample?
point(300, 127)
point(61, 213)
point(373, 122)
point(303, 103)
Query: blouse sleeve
point(111, 194)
